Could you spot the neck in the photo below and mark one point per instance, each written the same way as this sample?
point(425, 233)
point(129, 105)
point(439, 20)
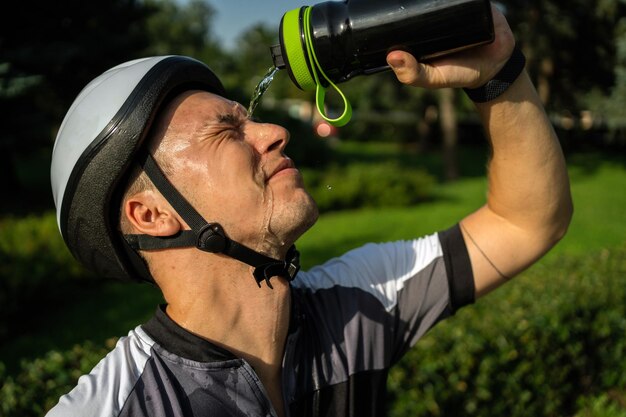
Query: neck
point(252, 321)
point(223, 304)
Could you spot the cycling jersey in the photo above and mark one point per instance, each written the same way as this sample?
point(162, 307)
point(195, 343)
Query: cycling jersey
point(352, 318)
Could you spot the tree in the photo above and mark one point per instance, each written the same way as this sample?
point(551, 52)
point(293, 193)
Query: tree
point(611, 104)
point(48, 52)
point(251, 60)
point(184, 30)
point(51, 50)
point(569, 45)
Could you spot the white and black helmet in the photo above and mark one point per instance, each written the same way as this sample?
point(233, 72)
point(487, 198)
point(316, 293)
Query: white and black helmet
point(100, 141)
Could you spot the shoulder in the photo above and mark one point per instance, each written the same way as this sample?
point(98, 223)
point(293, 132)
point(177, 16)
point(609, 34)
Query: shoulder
point(105, 389)
point(383, 270)
point(379, 261)
point(380, 269)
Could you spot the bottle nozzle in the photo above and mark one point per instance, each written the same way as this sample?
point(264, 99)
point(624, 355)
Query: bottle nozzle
point(277, 56)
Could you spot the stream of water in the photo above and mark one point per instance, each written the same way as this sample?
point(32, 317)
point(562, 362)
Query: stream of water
point(260, 89)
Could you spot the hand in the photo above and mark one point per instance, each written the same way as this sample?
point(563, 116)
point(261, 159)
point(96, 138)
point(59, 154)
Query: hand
point(470, 68)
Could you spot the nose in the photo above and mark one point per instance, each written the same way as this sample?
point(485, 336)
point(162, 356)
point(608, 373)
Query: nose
point(267, 137)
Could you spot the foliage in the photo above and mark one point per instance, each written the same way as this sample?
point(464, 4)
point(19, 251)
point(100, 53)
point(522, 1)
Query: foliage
point(550, 344)
point(21, 279)
point(611, 104)
point(251, 62)
point(368, 185)
point(532, 348)
point(185, 29)
point(556, 35)
point(48, 54)
point(50, 50)
point(610, 404)
point(41, 382)
point(180, 30)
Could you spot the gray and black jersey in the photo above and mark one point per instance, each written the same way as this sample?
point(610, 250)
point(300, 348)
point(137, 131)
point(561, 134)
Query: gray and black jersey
point(352, 318)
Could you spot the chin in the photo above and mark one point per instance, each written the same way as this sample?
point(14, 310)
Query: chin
point(311, 218)
point(303, 217)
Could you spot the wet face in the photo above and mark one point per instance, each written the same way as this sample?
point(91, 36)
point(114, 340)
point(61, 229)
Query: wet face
point(234, 171)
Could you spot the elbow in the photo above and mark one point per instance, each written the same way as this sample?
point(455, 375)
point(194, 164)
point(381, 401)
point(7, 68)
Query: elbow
point(560, 223)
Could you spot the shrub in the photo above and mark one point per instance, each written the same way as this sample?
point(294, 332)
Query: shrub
point(41, 382)
point(33, 259)
point(368, 185)
point(611, 404)
point(531, 349)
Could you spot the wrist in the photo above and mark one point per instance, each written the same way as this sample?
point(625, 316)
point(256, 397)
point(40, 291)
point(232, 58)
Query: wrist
point(501, 81)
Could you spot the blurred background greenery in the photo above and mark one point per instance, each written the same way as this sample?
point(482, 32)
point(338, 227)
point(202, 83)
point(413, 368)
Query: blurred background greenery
point(410, 163)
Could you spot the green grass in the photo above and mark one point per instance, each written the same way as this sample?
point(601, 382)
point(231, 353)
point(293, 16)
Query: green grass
point(338, 232)
point(471, 159)
point(97, 311)
point(599, 219)
point(599, 193)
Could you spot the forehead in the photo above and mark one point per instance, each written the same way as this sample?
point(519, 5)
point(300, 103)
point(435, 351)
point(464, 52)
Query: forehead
point(192, 111)
point(202, 105)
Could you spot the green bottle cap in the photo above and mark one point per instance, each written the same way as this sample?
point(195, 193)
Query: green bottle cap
point(303, 63)
point(296, 55)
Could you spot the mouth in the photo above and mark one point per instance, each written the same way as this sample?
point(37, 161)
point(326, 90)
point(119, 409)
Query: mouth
point(284, 167)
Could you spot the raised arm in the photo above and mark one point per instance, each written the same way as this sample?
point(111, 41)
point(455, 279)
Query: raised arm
point(528, 207)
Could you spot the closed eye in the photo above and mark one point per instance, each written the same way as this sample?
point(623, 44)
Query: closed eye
point(231, 123)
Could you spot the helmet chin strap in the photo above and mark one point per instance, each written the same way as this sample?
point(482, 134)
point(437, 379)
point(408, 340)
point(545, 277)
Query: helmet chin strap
point(208, 237)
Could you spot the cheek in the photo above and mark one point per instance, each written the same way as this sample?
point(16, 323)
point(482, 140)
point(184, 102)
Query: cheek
point(227, 185)
point(238, 181)
point(235, 193)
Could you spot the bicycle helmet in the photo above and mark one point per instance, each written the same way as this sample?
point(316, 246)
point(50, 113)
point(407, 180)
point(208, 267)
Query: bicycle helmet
point(99, 142)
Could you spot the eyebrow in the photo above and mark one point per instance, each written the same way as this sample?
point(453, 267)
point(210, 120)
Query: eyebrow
point(228, 118)
point(233, 118)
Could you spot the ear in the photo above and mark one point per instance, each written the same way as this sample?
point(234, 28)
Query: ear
point(150, 214)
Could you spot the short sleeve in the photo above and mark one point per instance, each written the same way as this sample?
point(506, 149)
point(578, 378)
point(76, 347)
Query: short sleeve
point(377, 301)
point(458, 268)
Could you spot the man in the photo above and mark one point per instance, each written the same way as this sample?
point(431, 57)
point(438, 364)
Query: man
point(173, 183)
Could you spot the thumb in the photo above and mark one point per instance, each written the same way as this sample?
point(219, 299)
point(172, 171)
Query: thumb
point(407, 69)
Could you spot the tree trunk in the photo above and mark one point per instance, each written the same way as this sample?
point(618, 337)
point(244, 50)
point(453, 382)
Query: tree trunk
point(546, 69)
point(450, 134)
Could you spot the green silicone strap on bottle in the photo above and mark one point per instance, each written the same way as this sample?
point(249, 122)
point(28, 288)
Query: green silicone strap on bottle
point(320, 90)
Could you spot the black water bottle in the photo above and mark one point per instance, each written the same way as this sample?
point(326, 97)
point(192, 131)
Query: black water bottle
point(337, 40)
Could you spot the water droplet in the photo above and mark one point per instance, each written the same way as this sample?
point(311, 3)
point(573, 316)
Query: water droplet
point(329, 187)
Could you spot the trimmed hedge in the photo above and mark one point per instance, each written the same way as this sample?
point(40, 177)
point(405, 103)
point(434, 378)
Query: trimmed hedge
point(532, 348)
point(553, 343)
